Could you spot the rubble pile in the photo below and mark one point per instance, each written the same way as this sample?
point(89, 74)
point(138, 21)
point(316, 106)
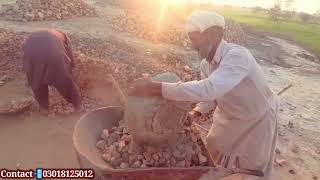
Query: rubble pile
point(14, 107)
point(87, 73)
point(151, 30)
point(10, 53)
point(93, 58)
point(43, 10)
point(119, 151)
point(131, 62)
point(234, 32)
point(4, 79)
point(57, 104)
point(104, 48)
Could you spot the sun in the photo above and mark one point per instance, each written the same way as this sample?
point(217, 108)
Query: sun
point(177, 7)
point(176, 3)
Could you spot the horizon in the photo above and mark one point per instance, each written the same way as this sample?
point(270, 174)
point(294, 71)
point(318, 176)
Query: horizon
point(298, 5)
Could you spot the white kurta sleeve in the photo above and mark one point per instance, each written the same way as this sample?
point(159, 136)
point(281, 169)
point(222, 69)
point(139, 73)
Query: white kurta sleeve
point(233, 68)
point(205, 107)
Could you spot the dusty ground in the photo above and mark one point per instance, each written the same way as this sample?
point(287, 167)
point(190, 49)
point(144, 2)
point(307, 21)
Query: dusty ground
point(34, 140)
point(299, 106)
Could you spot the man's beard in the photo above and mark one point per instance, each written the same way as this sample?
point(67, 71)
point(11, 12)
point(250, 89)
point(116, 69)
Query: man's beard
point(204, 51)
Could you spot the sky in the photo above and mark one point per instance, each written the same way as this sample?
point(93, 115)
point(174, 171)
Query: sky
point(309, 6)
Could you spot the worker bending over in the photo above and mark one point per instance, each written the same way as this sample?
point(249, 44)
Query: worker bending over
point(244, 129)
point(48, 60)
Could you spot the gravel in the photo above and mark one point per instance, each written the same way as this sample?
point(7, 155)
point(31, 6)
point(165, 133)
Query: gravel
point(149, 29)
point(119, 154)
point(43, 10)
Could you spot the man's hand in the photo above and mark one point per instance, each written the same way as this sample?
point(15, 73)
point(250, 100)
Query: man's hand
point(192, 115)
point(145, 87)
point(139, 87)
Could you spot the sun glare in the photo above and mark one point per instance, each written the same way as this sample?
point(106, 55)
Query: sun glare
point(176, 4)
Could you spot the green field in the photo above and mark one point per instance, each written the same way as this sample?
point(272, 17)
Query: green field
point(307, 35)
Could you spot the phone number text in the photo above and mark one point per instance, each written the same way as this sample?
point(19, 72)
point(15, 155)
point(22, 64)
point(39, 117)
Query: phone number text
point(68, 173)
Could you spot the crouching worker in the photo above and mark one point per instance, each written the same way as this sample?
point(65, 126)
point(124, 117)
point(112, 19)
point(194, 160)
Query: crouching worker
point(48, 61)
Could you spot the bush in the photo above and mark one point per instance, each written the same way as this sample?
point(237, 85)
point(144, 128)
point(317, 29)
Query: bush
point(257, 9)
point(305, 17)
point(288, 15)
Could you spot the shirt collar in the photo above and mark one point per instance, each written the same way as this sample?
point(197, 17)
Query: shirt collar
point(218, 55)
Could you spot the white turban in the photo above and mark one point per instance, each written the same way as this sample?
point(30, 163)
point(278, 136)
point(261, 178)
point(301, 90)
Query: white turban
point(202, 20)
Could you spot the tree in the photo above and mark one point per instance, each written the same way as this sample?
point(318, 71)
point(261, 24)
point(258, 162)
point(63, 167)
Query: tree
point(318, 12)
point(305, 17)
point(275, 12)
point(316, 17)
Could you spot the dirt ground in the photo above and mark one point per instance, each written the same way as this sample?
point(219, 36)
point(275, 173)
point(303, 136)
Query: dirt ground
point(38, 141)
point(298, 140)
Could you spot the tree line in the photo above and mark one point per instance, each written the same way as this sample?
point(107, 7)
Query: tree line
point(278, 12)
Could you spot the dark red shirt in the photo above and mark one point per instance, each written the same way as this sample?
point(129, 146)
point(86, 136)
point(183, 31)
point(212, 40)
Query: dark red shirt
point(48, 57)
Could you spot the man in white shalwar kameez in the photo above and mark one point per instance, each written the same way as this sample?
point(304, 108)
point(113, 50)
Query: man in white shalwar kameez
point(244, 128)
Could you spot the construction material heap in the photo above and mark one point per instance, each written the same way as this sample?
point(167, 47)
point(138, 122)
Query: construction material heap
point(43, 10)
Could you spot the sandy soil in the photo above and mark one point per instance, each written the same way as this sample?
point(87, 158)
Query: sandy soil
point(299, 106)
point(37, 141)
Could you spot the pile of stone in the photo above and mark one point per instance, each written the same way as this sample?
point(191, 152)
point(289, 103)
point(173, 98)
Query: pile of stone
point(87, 73)
point(127, 62)
point(57, 104)
point(120, 151)
point(11, 66)
point(10, 53)
point(234, 33)
point(4, 79)
point(14, 106)
point(42, 10)
point(101, 56)
point(149, 29)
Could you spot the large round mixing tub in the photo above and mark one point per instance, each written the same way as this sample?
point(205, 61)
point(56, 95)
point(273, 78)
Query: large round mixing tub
point(87, 132)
